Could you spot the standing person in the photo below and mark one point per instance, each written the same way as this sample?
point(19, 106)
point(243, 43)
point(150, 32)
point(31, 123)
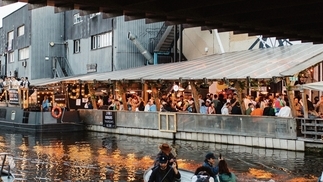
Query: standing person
point(319, 106)
point(220, 104)
point(164, 172)
point(279, 102)
point(45, 104)
point(165, 150)
point(226, 109)
point(209, 162)
point(22, 82)
point(211, 109)
point(152, 104)
point(269, 110)
point(215, 100)
point(250, 109)
point(224, 173)
point(100, 102)
point(258, 111)
point(89, 104)
point(203, 108)
point(285, 111)
point(27, 83)
point(235, 105)
point(203, 173)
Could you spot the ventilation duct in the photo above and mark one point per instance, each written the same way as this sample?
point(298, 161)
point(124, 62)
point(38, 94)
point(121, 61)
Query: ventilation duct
point(142, 50)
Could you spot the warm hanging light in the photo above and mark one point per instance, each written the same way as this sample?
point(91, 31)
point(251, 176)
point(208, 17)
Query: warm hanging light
point(149, 91)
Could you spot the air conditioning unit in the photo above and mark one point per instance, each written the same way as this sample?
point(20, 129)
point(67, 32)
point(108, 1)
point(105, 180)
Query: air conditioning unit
point(24, 63)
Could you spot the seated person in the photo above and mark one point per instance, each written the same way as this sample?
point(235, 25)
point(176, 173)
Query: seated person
point(210, 162)
point(203, 173)
point(164, 172)
point(224, 174)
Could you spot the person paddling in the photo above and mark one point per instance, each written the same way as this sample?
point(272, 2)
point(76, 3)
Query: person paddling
point(165, 150)
point(165, 172)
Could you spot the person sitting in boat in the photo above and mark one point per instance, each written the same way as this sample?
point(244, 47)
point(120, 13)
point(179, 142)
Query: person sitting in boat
point(224, 174)
point(165, 150)
point(209, 161)
point(203, 173)
point(165, 172)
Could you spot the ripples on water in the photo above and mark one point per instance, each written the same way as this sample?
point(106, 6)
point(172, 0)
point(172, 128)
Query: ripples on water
point(92, 156)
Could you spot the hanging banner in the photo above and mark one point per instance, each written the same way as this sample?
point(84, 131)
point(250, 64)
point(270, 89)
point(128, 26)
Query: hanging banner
point(109, 119)
point(13, 96)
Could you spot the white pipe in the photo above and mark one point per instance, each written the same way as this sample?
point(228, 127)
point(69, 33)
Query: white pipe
point(142, 50)
point(219, 40)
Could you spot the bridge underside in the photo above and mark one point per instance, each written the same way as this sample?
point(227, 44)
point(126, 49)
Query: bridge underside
point(296, 20)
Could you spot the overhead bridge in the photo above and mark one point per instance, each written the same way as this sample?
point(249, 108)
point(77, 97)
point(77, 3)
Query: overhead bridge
point(296, 20)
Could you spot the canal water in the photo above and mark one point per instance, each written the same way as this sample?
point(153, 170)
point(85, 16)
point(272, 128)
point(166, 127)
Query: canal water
point(93, 156)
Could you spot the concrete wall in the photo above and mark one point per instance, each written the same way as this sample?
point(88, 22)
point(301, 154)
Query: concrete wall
point(148, 124)
point(196, 41)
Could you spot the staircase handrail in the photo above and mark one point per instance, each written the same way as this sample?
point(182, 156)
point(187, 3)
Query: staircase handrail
point(65, 66)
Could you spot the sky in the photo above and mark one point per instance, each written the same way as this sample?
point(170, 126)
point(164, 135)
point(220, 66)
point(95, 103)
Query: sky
point(6, 10)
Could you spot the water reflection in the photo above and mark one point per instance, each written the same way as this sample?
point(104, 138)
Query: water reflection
point(103, 157)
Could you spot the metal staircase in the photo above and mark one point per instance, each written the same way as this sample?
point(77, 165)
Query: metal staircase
point(61, 67)
point(166, 39)
point(163, 45)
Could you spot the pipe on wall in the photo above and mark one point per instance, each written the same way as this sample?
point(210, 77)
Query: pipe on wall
point(142, 50)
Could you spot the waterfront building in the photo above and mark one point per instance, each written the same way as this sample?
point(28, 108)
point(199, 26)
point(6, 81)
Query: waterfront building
point(42, 43)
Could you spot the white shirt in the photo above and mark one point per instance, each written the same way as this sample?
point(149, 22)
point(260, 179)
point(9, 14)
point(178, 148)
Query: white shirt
point(194, 178)
point(147, 107)
point(284, 112)
point(225, 110)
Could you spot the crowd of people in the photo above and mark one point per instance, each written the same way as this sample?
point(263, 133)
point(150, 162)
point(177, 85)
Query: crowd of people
point(225, 104)
point(13, 83)
point(212, 169)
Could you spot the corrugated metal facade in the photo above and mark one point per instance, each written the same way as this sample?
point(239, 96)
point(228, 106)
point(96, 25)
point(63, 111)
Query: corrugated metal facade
point(44, 26)
point(21, 17)
point(126, 53)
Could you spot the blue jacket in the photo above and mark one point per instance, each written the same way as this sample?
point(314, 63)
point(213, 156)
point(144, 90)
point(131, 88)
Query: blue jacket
point(215, 169)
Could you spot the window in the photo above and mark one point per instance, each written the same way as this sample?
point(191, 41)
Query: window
point(10, 40)
point(23, 53)
point(21, 30)
point(77, 46)
point(77, 18)
point(11, 57)
point(93, 42)
point(102, 40)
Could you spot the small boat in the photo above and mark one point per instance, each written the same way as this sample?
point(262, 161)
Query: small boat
point(7, 164)
point(186, 175)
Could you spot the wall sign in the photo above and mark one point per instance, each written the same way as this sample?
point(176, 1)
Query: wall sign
point(109, 119)
point(13, 96)
point(60, 99)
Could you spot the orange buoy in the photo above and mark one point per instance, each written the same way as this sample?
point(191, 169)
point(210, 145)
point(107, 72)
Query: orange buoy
point(56, 112)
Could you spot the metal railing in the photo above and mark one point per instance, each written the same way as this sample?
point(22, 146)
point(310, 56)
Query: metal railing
point(64, 65)
point(154, 41)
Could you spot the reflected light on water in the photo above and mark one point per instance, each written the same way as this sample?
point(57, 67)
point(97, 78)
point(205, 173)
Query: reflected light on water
point(121, 158)
point(260, 174)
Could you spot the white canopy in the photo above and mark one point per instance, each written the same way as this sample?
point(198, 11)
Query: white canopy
point(259, 63)
point(313, 86)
